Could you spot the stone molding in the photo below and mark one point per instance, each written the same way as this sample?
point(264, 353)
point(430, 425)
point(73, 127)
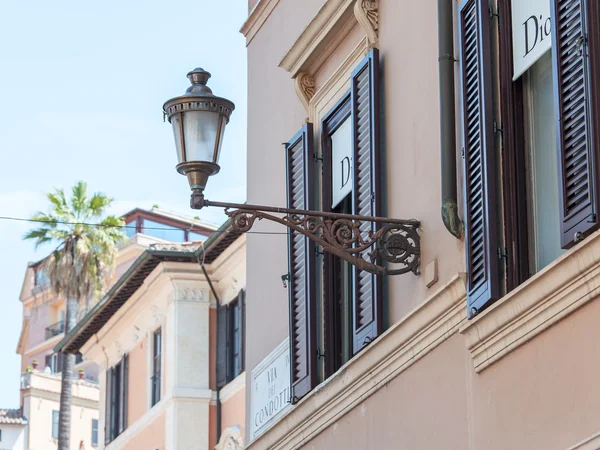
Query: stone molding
point(233, 387)
point(305, 88)
point(407, 341)
point(367, 15)
point(591, 443)
point(232, 438)
point(546, 298)
point(257, 17)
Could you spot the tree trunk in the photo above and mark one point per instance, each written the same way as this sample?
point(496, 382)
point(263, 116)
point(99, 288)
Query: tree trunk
point(64, 421)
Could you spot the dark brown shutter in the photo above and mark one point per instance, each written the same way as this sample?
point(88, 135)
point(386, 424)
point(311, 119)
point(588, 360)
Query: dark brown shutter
point(108, 406)
point(481, 236)
point(125, 398)
point(366, 192)
point(121, 397)
point(577, 157)
point(241, 313)
point(221, 368)
point(301, 260)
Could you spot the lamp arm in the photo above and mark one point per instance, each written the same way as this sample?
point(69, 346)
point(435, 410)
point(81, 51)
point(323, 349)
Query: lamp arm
point(348, 236)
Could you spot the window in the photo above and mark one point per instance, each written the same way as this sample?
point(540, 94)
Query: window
point(40, 278)
point(326, 332)
point(54, 362)
point(193, 236)
point(117, 383)
point(55, 417)
point(94, 432)
point(230, 340)
point(130, 228)
point(162, 231)
point(531, 178)
point(156, 366)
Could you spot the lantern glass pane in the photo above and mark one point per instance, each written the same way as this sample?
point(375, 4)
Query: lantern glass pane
point(176, 122)
point(200, 134)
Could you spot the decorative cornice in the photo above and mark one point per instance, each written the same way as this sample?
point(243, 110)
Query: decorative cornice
point(323, 29)
point(305, 88)
point(546, 298)
point(367, 15)
point(190, 294)
point(407, 341)
point(257, 17)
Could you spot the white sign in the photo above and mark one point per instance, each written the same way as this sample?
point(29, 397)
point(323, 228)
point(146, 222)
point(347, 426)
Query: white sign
point(341, 160)
point(271, 393)
point(531, 33)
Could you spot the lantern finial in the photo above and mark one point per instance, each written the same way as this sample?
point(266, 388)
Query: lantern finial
point(198, 77)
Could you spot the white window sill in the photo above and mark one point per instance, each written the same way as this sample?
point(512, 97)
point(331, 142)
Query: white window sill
point(549, 296)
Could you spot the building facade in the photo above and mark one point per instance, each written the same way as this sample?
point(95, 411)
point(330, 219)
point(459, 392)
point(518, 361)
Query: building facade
point(12, 429)
point(43, 328)
point(168, 339)
point(480, 120)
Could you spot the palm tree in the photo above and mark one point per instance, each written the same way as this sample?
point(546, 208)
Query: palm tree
point(79, 266)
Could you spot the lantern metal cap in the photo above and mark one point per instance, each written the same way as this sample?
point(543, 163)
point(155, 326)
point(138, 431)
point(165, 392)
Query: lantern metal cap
point(198, 97)
point(198, 77)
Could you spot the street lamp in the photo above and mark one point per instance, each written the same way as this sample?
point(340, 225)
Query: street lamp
point(199, 118)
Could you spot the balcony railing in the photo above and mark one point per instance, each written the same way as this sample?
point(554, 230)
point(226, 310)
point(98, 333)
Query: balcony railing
point(55, 329)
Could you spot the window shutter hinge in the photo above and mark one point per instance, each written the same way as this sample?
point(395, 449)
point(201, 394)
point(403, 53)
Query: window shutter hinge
point(316, 157)
point(502, 252)
point(462, 151)
point(318, 252)
point(372, 197)
point(498, 129)
point(492, 13)
point(285, 278)
point(320, 354)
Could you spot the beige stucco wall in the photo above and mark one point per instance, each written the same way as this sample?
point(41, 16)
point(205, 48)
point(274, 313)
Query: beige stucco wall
point(151, 436)
point(542, 395)
point(233, 411)
point(42, 397)
point(138, 381)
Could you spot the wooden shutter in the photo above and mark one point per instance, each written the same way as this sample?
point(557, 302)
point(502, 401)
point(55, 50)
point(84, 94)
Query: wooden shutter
point(108, 406)
point(481, 236)
point(125, 398)
point(241, 318)
point(577, 158)
point(366, 193)
point(221, 368)
point(301, 260)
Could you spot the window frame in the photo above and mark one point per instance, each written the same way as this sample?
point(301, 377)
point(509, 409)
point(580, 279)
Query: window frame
point(331, 325)
point(55, 413)
point(156, 378)
point(94, 443)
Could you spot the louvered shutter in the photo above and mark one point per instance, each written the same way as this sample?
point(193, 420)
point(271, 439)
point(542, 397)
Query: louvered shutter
point(577, 158)
point(121, 397)
point(241, 310)
point(301, 260)
point(108, 406)
point(221, 346)
point(125, 398)
point(481, 236)
point(366, 195)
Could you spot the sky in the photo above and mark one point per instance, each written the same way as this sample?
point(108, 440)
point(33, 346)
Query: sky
point(82, 86)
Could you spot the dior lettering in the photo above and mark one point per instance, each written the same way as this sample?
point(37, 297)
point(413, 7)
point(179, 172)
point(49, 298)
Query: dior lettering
point(345, 171)
point(536, 29)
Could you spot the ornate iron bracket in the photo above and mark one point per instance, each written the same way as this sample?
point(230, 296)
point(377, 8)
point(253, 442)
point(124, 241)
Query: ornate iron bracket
point(348, 236)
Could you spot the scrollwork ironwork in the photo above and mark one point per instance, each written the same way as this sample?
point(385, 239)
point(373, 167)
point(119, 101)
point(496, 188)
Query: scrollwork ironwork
point(395, 244)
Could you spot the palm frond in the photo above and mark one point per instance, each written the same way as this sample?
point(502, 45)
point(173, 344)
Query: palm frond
point(98, 204)
point(79, 199)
